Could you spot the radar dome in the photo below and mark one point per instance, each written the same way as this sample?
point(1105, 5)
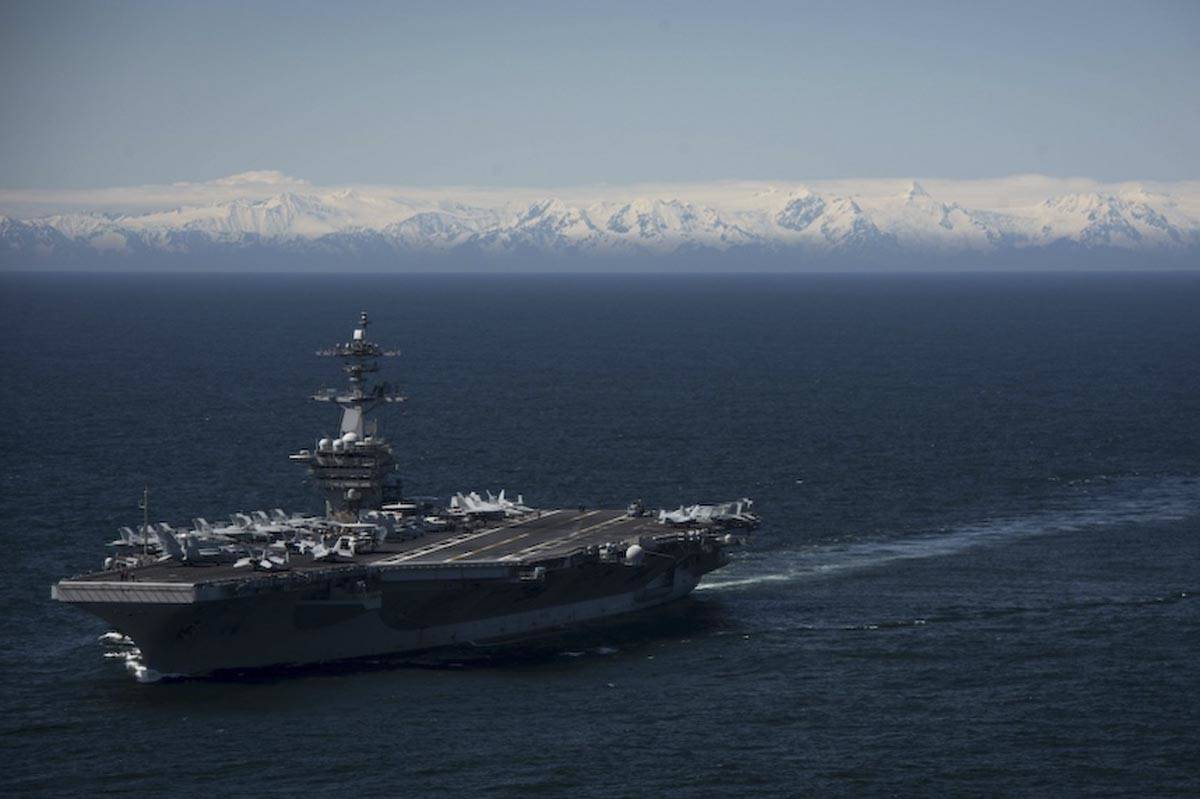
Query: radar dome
point(634, 555)
point(324, 444)
point(350, 438)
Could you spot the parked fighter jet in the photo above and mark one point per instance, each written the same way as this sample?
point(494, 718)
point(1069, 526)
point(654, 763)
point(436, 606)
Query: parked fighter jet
point(270, 559)
point(494, 507)
point(727, 514)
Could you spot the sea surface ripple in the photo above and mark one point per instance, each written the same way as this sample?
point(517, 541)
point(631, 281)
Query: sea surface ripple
point(977, 575)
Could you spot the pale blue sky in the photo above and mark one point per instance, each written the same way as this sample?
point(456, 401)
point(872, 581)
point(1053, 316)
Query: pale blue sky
point(117, 93)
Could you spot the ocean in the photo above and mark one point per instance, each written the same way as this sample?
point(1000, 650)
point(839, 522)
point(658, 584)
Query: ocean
point(977, 573)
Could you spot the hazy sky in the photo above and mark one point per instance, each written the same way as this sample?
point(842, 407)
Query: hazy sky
point(509, 93)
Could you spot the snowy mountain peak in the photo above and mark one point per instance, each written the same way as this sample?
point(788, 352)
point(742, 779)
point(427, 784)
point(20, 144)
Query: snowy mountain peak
point(800, 193)
point(285, 200)
point(915, 190)
point(549, 207)
point(801, 208)
point(1080, 203)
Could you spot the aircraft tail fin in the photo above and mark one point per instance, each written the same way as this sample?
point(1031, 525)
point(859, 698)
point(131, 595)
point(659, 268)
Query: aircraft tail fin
point(170, 544)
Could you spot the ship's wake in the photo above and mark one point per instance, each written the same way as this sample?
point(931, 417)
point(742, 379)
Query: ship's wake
point(1167, 500)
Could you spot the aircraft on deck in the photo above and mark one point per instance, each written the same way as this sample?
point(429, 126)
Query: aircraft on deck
point(494, 507)
point(726, 514)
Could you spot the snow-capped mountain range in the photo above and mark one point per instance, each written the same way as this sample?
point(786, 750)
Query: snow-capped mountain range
point(267, 211)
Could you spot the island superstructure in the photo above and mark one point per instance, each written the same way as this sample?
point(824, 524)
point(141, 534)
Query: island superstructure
point(378, 573)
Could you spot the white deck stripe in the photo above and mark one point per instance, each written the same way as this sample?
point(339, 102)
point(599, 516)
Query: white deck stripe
point(489, 546)
point(544, 545)
point(430, 549)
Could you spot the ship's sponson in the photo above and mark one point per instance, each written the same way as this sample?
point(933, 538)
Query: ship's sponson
point(511, 578)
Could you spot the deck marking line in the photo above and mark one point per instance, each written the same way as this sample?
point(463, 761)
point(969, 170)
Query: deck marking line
point(544, 545)
point(489, 546)
point(428, 550)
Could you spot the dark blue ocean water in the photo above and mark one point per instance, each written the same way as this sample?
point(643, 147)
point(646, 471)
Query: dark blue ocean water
point(977, 575)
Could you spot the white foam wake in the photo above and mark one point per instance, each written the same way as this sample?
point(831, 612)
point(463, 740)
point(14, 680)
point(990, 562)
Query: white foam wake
point(1169, 500)
point(140, 671)
point(121, 647)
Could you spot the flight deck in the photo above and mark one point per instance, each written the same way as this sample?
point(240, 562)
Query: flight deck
point(532, 538)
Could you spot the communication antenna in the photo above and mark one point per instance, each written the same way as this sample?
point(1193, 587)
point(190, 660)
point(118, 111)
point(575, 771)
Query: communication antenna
point(145, 508)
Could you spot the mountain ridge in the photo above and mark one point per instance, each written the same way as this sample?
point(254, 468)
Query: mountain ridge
point(297, 217)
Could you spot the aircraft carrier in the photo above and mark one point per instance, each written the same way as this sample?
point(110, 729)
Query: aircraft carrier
point(379, 573)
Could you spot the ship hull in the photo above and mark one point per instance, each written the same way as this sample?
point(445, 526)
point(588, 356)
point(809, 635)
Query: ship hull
point(384, 614)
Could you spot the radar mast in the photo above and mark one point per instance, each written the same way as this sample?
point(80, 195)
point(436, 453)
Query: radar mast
point(355, 470)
